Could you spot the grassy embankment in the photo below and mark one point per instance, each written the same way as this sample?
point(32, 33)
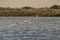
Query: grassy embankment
point(30, 12)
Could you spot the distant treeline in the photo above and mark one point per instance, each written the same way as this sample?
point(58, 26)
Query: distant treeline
point(30, 11)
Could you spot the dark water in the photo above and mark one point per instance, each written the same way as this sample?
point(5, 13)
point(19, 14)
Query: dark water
point(41, 28)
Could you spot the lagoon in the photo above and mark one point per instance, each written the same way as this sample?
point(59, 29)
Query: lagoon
point(41, 28)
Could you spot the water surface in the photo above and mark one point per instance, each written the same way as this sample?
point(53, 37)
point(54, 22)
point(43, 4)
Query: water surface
point(41, 28)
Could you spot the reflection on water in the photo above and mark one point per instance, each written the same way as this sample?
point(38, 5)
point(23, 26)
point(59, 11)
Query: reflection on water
point(42, 28)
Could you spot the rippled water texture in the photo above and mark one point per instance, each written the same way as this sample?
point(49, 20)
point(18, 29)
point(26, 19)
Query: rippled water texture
point(40, 28)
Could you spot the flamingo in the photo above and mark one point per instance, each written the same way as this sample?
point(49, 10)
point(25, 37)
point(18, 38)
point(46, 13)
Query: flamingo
point(27, 22)
point(13, 26)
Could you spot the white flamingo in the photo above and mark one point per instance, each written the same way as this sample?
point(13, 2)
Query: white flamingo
point(27, 22)
point(13, 26)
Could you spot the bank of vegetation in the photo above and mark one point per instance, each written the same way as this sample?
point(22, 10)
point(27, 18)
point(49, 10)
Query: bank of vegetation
point(53, 11)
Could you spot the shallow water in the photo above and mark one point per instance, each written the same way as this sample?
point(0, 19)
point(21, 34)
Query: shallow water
point(41, 28)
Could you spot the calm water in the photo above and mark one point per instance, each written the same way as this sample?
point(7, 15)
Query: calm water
point(41, 28)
